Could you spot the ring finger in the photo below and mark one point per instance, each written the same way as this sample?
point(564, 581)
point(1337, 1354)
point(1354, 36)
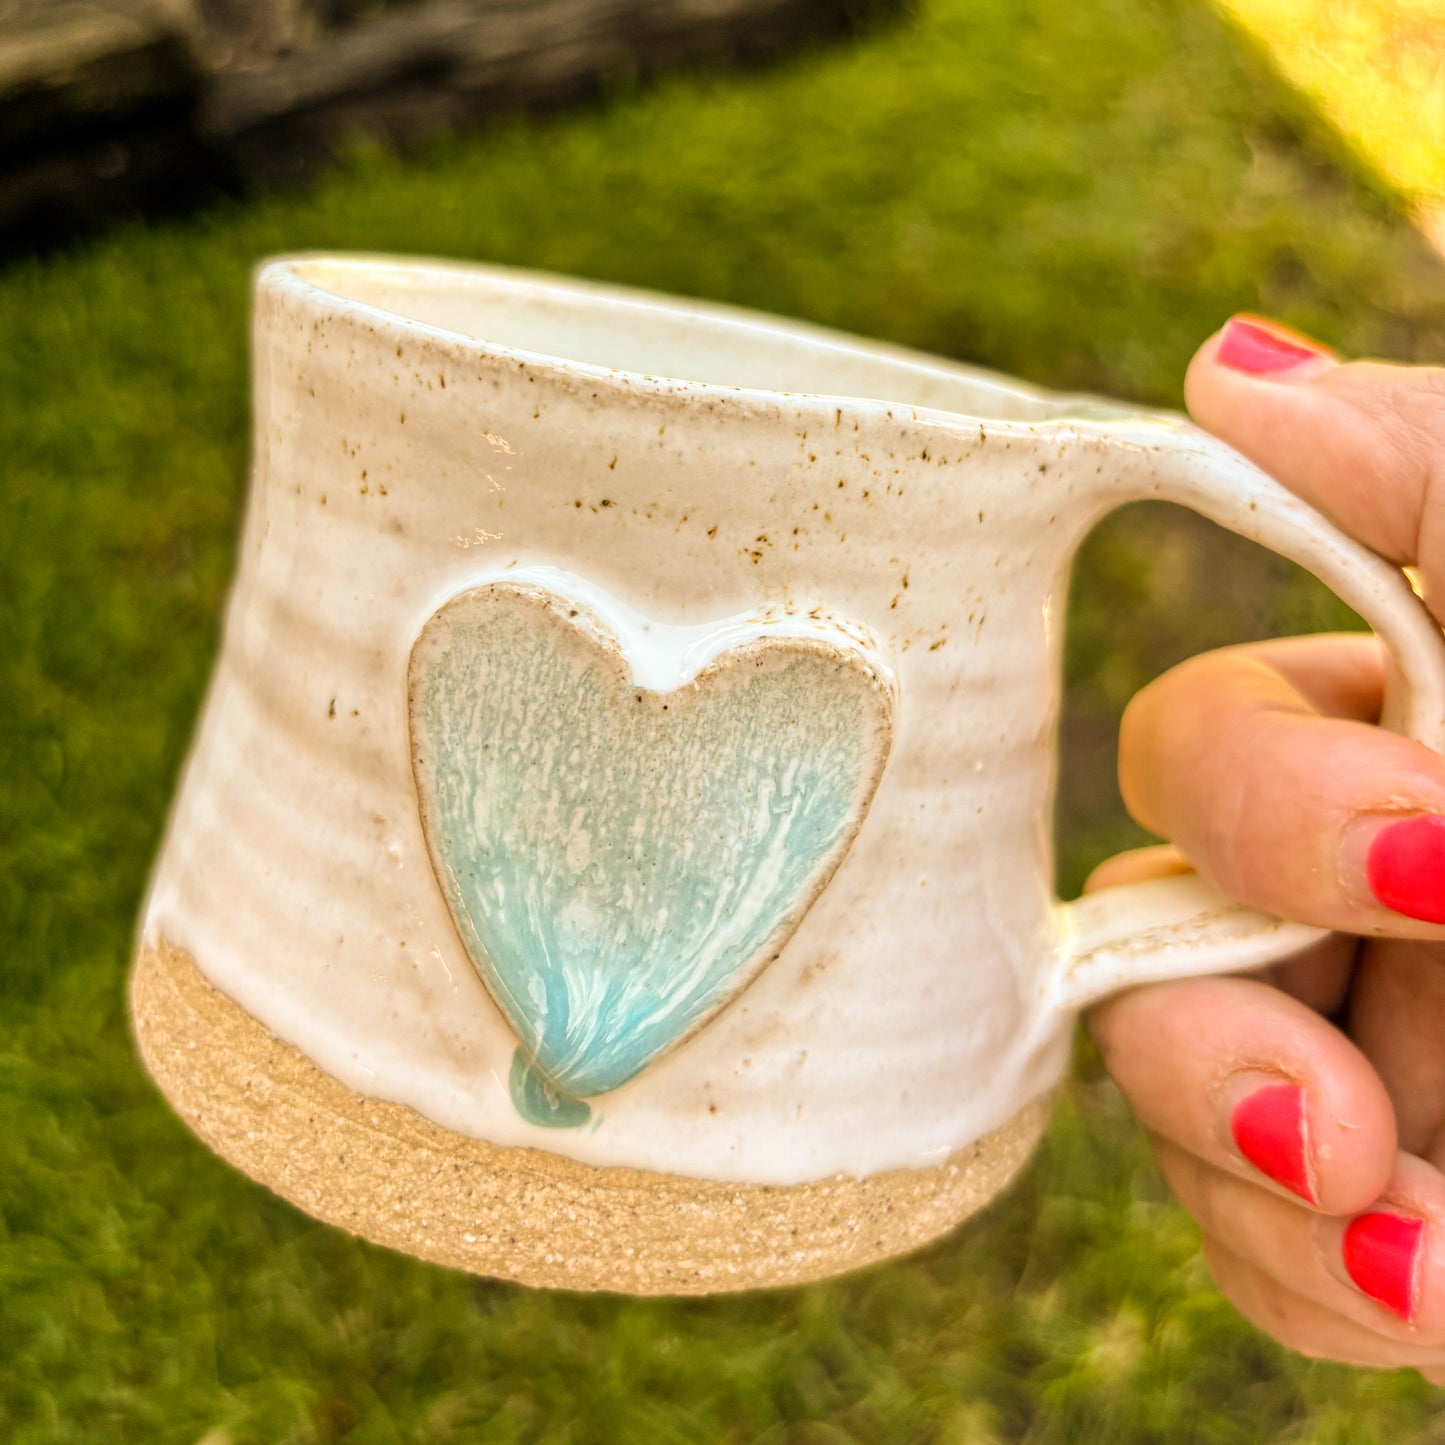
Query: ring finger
point(1383, 1270)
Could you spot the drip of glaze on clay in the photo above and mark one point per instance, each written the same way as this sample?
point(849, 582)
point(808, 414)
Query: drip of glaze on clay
point(538, 1100)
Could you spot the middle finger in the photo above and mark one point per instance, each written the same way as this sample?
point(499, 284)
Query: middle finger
point(1240, 757)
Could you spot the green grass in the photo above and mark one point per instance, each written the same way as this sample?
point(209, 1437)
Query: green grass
point(1076, 193)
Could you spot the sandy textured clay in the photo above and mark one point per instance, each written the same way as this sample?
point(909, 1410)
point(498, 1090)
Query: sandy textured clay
point(391, 1176)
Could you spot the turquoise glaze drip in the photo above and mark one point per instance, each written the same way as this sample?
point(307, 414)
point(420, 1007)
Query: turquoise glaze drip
point(536, 1098)
point(620, 862)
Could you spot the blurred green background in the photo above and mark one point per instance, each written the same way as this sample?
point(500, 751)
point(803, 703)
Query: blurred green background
point(1073, 193)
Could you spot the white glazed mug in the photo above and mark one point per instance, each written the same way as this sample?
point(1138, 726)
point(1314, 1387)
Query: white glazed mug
point(616, 848)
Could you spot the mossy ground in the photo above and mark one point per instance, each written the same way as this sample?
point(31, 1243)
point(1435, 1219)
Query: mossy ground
point(1074, 193)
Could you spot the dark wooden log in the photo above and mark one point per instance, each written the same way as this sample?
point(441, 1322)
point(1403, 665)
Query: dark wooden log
point(445, 64)
point(98, 106)
point(78, 66)
point(110, 106)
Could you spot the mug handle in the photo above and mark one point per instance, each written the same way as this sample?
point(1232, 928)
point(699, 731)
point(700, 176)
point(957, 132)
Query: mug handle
point(1182, 927)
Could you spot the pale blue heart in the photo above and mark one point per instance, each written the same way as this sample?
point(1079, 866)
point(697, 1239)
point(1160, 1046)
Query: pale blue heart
point(620, 863)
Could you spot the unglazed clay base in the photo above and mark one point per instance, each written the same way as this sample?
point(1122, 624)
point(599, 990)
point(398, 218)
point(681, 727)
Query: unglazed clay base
point(386, 1173)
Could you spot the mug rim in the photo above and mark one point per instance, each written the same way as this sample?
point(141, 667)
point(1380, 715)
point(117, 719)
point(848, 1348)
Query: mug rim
point(285, 275)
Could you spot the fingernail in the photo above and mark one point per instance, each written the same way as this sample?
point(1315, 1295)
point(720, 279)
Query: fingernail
point(1271, 1130)
point(1381, 1254)
point(1405, 867)
point(1265, 349)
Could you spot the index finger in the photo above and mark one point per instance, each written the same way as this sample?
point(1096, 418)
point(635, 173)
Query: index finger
point(1362, 441)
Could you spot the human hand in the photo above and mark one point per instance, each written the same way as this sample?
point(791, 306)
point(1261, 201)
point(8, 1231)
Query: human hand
point(1300, 1116)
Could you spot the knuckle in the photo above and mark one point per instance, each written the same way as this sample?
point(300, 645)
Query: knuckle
point(1400, 424)
point(1197, 1186)
point(1106, 1021)
point(1426, 1330)
point(1405, 403)
point(1224, 854)
point(1418, 400)
point(1276, 1313)
point(1238, 809)
point(1161, 727)
point(1136, 748)
point(1219, 1262)
point(1266, 1311)
point(1314, 1347)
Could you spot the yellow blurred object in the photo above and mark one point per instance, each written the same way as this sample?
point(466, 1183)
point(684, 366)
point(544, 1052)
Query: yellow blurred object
point(1376, 68)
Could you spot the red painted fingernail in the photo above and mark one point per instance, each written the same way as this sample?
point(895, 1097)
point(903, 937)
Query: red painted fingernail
point(1405, 867)
point(1270, 1128)
point(1382, 1254)
point(1263, 350)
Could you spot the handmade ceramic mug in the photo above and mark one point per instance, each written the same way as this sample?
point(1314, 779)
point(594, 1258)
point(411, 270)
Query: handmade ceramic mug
point(616, 848)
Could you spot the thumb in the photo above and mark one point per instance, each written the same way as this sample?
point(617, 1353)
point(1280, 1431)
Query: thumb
point(1362, 441)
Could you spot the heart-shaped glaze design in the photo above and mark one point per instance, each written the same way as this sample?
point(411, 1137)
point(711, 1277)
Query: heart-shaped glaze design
point(620, 863)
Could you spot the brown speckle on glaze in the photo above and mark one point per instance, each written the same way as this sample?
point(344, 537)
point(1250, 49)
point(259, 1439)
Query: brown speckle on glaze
point(273, 780)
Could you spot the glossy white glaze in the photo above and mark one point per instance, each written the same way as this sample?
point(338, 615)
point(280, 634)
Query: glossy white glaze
point(414, 439)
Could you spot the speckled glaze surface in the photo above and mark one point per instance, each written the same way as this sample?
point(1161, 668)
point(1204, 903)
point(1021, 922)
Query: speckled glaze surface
point(476, 490)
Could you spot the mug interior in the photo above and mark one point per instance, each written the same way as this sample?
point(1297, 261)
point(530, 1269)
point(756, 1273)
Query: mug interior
point(694, 342)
